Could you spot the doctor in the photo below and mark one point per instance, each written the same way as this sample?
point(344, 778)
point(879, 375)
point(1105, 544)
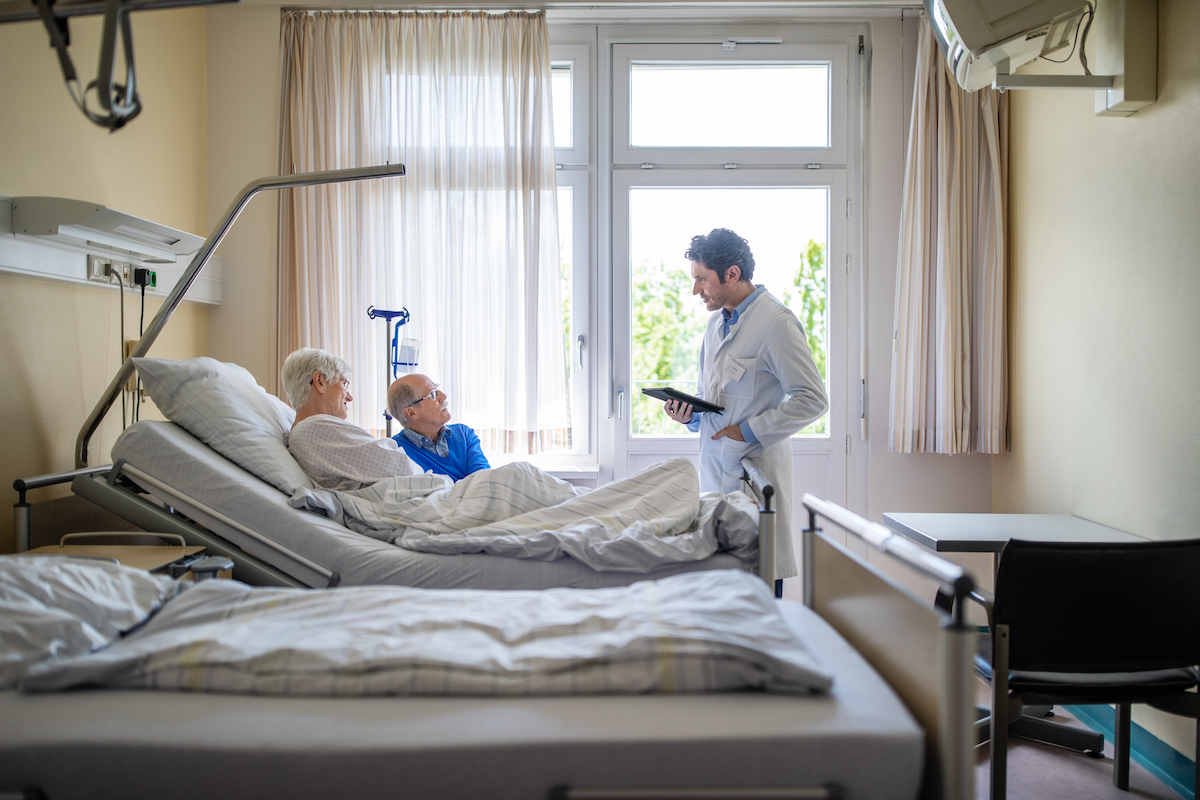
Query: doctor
point(754, 362)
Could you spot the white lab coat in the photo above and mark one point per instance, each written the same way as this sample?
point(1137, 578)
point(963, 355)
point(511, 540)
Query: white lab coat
point(764, 373)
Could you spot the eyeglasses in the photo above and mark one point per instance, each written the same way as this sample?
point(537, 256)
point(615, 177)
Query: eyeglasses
point(431, 396)
point(344, 381)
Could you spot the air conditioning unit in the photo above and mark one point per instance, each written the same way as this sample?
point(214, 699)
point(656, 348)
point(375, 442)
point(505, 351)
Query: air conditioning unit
point(985, 38)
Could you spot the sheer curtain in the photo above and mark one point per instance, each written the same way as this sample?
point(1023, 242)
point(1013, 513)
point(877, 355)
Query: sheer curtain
point(467, 241)
point(949, 390)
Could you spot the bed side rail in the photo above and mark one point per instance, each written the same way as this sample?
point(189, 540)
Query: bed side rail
point(199, 261)
point(23, 511)
point(118, 497)
point(761, 490)
point(924, 652)
point(146, 479)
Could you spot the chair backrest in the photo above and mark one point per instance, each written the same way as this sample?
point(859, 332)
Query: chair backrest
point(1100, 607)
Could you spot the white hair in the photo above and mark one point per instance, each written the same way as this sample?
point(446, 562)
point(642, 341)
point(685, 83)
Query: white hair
point(298, 369)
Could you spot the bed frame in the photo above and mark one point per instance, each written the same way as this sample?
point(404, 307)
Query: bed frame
point(79, 743)
point(120, 490)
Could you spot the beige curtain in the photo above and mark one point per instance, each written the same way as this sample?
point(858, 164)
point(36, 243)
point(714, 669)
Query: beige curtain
point(467, 241)
point(949, 391)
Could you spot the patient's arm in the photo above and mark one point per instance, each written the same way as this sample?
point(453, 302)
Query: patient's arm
point(337, 454)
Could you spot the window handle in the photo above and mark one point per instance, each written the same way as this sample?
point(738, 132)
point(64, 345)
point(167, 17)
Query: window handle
point(581, 342)
point(621, 402)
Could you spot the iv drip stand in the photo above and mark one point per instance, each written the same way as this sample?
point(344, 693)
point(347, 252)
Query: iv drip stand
point(391, 352)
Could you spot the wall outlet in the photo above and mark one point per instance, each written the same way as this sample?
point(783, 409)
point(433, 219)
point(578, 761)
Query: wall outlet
point(97, 269)
point(103, 270)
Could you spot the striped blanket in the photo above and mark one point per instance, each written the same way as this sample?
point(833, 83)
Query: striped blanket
point(715, 630)
point(652, 518)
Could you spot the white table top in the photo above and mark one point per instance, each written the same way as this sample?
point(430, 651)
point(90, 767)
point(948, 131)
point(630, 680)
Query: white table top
point(988, 533)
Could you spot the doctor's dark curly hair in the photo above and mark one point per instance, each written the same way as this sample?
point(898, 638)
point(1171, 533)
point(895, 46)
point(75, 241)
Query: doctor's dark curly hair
point(720, 250)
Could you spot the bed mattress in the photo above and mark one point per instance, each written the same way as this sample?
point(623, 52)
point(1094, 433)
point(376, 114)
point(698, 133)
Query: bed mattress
point(99, 744)
point(172, 455)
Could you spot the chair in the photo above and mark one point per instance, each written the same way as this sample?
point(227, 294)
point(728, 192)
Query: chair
point(1090, 624)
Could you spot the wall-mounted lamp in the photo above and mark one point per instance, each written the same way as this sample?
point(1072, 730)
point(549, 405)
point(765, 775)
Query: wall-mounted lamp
point(98, 230)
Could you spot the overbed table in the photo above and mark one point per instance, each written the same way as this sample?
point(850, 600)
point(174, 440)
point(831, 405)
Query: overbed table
point(988, 533)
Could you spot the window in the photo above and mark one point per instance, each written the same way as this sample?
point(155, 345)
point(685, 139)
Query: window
point(748, 136)
point(788, 229)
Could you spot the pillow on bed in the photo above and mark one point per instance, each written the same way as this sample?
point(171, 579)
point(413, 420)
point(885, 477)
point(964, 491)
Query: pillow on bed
point(59, 607)
point(223, 406)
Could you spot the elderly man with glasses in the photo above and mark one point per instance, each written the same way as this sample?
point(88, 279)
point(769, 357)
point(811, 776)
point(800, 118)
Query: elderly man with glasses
point(333, 452)
point(423, 412)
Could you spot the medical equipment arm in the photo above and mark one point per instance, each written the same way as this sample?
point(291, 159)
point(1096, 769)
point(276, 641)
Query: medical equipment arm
point(201, 259)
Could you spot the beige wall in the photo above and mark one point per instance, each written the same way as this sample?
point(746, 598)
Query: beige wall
point(243, 145)
point(62, 341)
point(1106, 307)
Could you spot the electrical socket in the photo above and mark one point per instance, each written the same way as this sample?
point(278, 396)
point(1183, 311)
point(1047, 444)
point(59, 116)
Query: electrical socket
point(101, 270)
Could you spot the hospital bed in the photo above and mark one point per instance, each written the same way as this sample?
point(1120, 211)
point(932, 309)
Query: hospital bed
point(895, 724)
point(166, 480)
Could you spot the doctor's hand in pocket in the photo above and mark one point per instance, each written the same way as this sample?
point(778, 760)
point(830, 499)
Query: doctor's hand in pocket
point(732, 432)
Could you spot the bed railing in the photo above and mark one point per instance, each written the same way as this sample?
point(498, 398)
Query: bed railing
point(923, 651)
point(199, 261)
point(761, 490)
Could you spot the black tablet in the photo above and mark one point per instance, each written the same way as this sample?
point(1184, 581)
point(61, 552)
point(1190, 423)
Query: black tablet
point(675, 394)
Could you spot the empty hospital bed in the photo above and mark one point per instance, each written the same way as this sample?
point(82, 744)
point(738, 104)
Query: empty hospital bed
point(894, 724)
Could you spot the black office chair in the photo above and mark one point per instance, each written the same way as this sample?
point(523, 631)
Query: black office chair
point(1089, 624)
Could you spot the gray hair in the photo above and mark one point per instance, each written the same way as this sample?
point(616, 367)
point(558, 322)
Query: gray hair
point(400, 396)
point(299, 367)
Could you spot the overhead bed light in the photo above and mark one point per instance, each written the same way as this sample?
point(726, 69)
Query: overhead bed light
point(99, 230)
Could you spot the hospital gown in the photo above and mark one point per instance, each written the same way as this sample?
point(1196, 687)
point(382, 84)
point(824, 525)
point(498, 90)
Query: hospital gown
point(337, 454)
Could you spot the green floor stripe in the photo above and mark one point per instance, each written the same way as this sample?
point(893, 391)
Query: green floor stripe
point(1161, 760)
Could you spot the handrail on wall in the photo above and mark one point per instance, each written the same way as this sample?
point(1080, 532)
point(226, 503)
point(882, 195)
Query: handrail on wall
point(202, 257)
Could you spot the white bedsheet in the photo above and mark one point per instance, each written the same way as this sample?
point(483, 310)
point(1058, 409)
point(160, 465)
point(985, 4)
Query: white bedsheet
point(635, 525)
point(717, 630)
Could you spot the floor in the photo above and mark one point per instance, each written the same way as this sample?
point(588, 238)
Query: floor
point(1043, 772)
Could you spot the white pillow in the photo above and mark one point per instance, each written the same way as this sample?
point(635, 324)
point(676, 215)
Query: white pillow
point(59, 607)
point(223, 406)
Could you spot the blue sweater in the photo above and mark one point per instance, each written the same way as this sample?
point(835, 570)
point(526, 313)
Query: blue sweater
point(465, 456)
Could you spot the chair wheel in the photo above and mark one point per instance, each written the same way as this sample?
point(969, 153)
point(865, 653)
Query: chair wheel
point(1094, 753)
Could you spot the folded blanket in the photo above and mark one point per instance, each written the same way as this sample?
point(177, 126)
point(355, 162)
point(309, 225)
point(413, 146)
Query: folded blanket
point(716, 630)
point(640, 523)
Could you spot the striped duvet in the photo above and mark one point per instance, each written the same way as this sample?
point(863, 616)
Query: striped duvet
point(650, 519)
point(717, 630)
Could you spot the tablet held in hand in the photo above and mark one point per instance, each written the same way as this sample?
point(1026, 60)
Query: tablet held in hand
point(697, 403)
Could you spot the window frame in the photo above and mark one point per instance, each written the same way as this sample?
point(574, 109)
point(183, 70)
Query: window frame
point(625, 55)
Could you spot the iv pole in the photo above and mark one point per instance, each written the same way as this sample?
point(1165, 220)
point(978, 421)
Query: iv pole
point(391, 352)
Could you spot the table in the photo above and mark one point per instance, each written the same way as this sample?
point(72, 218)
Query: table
point(151, 558)
point(988, 533)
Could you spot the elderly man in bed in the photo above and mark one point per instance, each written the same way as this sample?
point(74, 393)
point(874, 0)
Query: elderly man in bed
point(428, 438)
point(334, 453)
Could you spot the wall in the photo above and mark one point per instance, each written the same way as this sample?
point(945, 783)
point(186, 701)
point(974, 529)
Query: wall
point(61, 341)
point(1105, 301)
point(242, 146)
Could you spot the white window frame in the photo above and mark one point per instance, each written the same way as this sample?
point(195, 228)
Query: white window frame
point(617, 451)
point(579, 56)
point(837, 308)
point(625, 55)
